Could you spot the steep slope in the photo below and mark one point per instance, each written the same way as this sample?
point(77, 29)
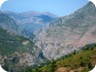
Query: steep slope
point(16, 51)
point(82, 61)
point(7, 23)
point(31, 22)
point(68, 33)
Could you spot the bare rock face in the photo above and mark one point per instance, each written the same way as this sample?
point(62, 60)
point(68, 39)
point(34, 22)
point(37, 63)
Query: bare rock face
point(68, 33)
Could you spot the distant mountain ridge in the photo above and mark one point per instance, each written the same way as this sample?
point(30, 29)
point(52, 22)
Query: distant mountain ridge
point(30, 22)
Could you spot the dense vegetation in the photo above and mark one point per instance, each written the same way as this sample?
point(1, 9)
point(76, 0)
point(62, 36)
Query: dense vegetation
point(82, 61)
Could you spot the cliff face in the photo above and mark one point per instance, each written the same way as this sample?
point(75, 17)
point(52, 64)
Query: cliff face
point(68, 33)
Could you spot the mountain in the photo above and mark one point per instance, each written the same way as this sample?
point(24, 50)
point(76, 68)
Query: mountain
point(68, 33)
point(58, 37)
point(8, 23)
point(30, 22)
point(17, 52)
point(13, 49)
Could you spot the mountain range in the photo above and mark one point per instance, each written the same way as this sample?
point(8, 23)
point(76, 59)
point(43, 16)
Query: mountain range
point(30, 22)
point(33, 38)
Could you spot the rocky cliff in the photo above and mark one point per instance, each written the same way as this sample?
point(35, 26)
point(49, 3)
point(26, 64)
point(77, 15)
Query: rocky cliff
point(68, 33)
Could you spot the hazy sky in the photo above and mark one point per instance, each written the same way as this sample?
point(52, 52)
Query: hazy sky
point(58, 7)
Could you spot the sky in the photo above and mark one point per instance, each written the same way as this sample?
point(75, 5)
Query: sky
point(57, 7)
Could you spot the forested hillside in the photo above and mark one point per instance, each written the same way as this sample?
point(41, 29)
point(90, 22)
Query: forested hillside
point(82, 61)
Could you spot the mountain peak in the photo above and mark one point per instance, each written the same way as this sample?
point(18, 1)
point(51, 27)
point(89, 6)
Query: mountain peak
point(89, 8)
